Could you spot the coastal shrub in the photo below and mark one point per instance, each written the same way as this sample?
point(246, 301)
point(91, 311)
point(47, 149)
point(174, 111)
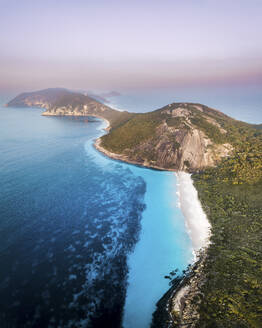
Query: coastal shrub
point(209, 129)
point(136, 130)
point(120, 119)
point(232, 196)
point(177, 122)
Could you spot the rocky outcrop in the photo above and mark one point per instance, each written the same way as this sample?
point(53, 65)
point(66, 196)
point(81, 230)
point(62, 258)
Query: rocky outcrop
point(180, 149)
point(182, 140)
point(183, 305)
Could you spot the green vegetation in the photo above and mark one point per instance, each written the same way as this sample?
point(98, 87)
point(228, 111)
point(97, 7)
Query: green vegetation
point(119, 118)
point(229, 294)
point(231, 195)
point(210, 130)
point(245, 166)
point(158, 138)
point(136, 129)
point(177, 122)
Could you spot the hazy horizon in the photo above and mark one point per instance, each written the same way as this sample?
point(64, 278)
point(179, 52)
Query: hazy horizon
point(123, 45)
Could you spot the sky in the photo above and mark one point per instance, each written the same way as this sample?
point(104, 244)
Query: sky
point(118, 44)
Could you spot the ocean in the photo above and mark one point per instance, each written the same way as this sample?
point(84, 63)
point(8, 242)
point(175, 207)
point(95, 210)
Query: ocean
point(85, 240)
point(242, 102)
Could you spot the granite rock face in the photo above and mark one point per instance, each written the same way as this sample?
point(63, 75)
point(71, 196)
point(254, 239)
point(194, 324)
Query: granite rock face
point(183, 140)
point(192, 149)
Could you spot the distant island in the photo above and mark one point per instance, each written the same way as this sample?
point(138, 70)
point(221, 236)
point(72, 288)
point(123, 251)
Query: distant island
point(225, 158)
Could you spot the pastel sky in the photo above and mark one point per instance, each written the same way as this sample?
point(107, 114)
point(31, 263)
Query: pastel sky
point(118, 44)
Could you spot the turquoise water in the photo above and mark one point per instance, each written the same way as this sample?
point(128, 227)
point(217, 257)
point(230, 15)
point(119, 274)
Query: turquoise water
point(163, 246)
point(85, 240)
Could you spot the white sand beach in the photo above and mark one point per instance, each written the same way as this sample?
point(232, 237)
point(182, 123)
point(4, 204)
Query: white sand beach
point(196, 220)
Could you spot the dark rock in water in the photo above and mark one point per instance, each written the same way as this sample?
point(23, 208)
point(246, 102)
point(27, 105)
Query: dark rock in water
point(161, 317)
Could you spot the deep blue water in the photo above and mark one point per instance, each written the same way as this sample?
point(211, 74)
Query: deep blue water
point(85, 241)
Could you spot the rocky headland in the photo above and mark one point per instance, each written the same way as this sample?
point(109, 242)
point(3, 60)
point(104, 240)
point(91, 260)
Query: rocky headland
point(179, 136)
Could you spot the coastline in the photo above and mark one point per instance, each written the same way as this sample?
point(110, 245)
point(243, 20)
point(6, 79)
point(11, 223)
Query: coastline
point(123, 158)
point(107, 128)
point(232, 224)
point(176, 305)
point(180, 306)
point(97, 144)
point(196, 220)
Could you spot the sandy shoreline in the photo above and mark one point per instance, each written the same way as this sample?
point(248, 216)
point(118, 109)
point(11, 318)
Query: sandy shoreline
point(196, 223)
point(198, 228)
point(196, 220)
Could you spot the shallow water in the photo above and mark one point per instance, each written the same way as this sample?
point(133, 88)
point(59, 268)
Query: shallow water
point(163, 246)
point(73, 222)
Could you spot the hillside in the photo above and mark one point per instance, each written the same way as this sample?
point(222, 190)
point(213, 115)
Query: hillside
point(226, 286)
point(182, 136)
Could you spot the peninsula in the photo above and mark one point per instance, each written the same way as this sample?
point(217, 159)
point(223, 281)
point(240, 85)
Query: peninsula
point(179, 136)
point(225, 158)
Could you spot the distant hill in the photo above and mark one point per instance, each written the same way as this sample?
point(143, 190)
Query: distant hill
point(62, 102)
point(36, 98)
